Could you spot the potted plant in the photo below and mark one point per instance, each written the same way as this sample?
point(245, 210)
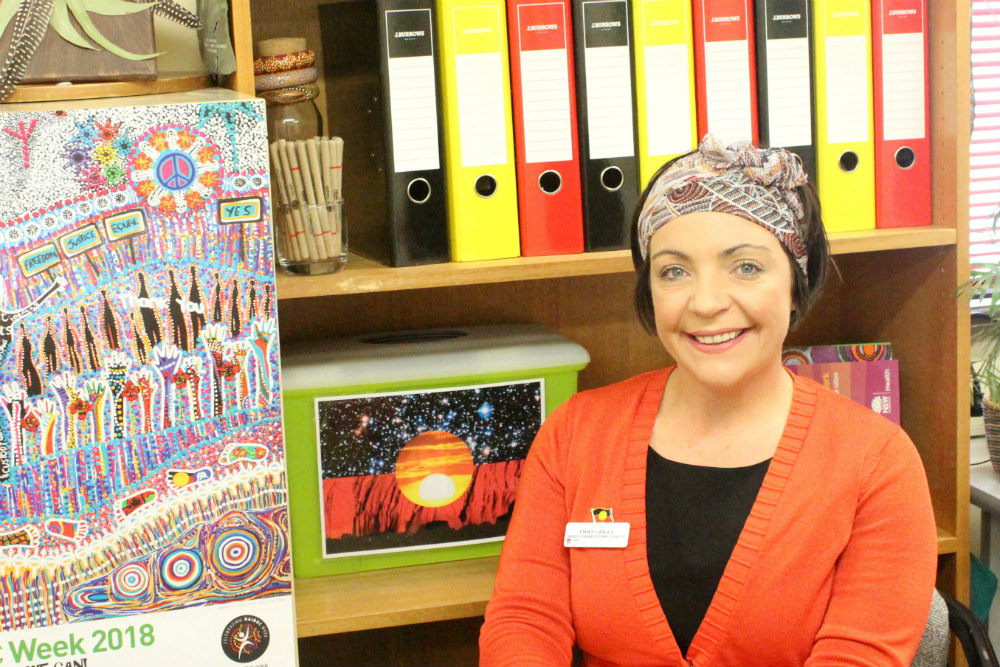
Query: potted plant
point(984, 287)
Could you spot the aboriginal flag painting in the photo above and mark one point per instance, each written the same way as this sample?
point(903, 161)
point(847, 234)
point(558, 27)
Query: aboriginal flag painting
point(421, 469)
point(142, 466)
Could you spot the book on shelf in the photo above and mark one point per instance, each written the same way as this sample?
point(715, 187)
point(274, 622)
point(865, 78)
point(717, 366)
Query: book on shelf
point(866, 373)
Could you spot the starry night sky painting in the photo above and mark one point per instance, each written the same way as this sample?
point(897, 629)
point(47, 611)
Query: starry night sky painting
point(421, 469)
point(142, 465)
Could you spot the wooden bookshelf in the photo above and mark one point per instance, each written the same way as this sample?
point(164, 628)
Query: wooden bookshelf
point(162, 84)
point(409, 595)
point(897, 285)
point(363, 275)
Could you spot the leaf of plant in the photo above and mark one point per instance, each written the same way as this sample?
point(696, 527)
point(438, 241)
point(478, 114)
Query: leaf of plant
point(64, 27)
point(112, 7)
point(80, 14)
point(30, 25)
point(8, 8)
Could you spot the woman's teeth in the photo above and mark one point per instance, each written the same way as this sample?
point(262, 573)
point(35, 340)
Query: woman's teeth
point(718, 338)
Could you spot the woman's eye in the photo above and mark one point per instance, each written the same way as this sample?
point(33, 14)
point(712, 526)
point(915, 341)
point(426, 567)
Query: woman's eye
point(748, 269)
point(672, 272)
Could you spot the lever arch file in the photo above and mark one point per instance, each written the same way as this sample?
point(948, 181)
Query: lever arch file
point(725, 66)
point(386, 54)
point(479, 138)
point(550, 210)
point(664, 82)
point(845, 154)
point(902, 114)
point(784, 78)
point(605, 110)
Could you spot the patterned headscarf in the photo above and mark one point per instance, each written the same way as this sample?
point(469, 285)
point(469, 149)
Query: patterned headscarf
point(756, 184)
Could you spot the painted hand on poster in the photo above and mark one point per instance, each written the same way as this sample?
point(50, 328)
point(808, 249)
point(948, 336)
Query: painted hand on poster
point(264, 332)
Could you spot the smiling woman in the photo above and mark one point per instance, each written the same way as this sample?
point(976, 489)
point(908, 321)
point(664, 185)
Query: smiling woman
point(745, 498)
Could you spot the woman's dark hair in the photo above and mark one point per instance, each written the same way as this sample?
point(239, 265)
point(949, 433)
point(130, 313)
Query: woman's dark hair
point(804, 291)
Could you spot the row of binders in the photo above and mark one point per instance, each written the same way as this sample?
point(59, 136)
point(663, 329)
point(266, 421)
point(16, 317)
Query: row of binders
point(520, 127)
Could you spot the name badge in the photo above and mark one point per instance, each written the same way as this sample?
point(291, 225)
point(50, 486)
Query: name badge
point(610, 535)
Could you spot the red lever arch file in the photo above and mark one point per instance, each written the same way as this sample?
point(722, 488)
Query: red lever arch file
point(725, 69)
point(902, 118)
point(547, 153)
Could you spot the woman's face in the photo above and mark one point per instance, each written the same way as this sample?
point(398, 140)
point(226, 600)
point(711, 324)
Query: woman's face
point(722, 296)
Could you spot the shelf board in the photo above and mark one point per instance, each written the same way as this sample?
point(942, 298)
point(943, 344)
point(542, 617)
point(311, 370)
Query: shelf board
point(365, 276)
point(416, 594)
point(398, 596)
point(163, 83)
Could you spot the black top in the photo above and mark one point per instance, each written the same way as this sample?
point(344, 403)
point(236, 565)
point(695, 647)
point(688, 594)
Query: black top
point(694, 517)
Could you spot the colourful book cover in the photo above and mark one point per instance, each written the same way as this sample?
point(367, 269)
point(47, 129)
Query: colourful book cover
point(825, 353)
point(143, 515)
point(874, 384)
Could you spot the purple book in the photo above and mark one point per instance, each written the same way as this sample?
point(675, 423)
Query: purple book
point(874, 384)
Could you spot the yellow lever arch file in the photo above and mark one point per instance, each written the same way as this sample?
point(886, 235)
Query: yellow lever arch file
point(664, 82)
point(845, 148)
point(479, 139)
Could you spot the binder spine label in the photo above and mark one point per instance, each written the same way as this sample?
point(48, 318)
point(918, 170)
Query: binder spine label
point(846, 89)
point(725, 20)
point(787, 19)
point(667, 76)
point(789, 107)
point(727, 63)
point(482, 118)
point(903, 91)
point(728, 90)
point(609, 80)
point(545, 75)
point(412, 98)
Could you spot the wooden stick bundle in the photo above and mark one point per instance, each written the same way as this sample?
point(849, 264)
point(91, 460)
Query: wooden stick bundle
point(308, 175)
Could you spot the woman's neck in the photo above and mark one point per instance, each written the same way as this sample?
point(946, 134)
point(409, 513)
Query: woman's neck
point(738, 425)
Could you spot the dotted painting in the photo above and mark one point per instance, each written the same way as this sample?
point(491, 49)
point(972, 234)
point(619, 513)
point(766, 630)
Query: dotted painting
point(141, 455)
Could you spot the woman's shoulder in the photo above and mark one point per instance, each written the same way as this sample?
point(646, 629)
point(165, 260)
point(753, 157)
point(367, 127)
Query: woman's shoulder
point(609, 405)
point(618, 394)
point(841, 419)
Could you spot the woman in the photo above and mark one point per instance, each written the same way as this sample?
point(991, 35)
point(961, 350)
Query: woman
point(769, 521)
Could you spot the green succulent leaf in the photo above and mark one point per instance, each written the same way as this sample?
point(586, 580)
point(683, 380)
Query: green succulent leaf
point(79, 9)
point(112, 7)
point(8, 8)
point(64, 27)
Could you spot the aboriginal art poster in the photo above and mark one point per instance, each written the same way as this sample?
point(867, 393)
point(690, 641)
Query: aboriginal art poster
point(423, 469)
point(143, 515)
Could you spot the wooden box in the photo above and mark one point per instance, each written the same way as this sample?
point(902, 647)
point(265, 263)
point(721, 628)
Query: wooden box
point(58, 60)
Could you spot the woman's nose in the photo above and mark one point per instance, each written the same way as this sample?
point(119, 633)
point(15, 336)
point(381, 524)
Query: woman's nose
point(709, 295)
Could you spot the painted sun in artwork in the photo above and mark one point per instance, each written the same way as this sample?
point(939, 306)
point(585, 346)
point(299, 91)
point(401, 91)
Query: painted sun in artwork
point(434, 469)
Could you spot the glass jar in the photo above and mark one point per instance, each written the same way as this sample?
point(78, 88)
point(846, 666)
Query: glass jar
point(309, 231)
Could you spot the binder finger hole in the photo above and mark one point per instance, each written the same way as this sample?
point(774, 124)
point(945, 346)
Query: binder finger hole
point(550, 182)
point(849, 161)
point(612, 178)
point(418, 190)
point(486, 186)
point(905, 157)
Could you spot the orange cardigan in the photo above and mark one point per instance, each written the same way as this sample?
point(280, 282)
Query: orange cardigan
point(835, 565)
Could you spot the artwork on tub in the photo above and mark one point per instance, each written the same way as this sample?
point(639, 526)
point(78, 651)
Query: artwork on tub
point(423, 468)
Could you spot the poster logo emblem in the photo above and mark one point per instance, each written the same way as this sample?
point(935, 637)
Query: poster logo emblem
point(175, 171)
point(245, 638)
